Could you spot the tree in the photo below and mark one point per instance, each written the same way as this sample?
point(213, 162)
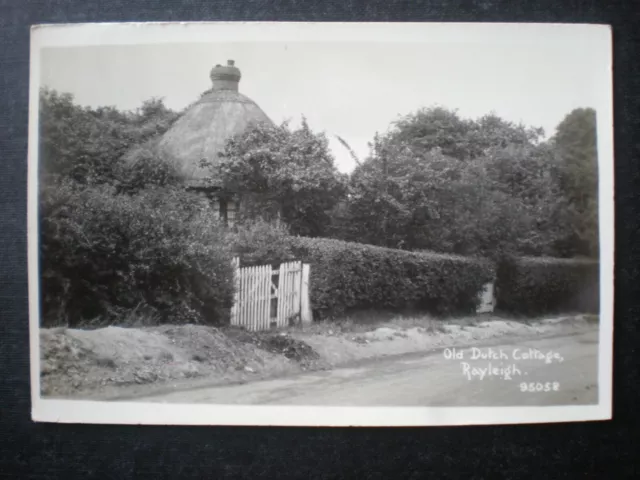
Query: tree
point(457, 137)
point(153, 119)
point(521, 209)
point(575, 142)
point(398, 195)
point(471, 187)
point(76, 142)
point(141, 168)
point(86, 144)
point(290, 173)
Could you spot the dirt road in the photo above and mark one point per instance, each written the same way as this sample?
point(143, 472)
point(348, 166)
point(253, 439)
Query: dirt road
point(552, 371)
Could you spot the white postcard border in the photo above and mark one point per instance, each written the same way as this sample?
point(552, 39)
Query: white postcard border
point(595, 37)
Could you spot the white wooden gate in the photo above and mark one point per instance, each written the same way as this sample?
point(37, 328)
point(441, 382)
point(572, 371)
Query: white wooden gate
point(261, 303)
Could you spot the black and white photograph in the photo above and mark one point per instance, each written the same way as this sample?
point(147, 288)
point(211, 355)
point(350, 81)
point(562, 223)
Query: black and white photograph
point(321, 224)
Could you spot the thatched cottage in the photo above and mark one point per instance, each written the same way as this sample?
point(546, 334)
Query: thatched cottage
point(202, 131)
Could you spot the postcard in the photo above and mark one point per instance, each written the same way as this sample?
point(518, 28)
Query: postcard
point(320, 224)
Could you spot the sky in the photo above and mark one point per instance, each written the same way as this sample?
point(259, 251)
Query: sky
point(349, 89)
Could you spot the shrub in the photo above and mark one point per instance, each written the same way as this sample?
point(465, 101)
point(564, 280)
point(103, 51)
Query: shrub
point(259, 242)
point(535, 286)
point(104, 254)
point(351, 276)
point(142, 167)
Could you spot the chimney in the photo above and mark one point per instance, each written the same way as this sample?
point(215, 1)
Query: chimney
point(225, 78)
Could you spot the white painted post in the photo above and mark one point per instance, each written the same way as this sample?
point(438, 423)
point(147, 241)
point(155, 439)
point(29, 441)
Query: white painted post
point(250, 298)
point(291, 292)
point(299, 292)
point(281, 294)
point(235, 263)
point(486, 299)
point(240, 305)
point(295, 289)
point(255, 297)
point(258, 319)
point(306, 315)
point(294, 299)
point(286, 300)
point(243, 298)
point(266, 297)
point(260, 293)
point(273, 293)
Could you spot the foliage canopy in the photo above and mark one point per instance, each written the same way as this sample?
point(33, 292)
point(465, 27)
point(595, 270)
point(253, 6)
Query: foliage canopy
point(279, 172)
point(120, 233)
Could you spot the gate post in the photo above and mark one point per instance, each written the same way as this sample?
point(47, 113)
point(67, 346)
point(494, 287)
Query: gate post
point(306, 315)
point(235, 263)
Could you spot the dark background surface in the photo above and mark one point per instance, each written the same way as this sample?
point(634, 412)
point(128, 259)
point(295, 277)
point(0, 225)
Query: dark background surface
point(587, 450)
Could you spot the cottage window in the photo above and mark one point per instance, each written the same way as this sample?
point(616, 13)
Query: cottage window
point(227, 211)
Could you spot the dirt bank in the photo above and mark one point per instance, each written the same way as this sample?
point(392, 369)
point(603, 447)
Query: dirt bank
point(113, 361)
point(86, 362)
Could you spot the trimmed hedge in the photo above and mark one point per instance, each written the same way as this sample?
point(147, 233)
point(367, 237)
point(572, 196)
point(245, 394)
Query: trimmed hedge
point(348, 276)
point(352, 276)
point(535, 286)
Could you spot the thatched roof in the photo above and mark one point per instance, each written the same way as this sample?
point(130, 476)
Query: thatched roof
point(202, 131)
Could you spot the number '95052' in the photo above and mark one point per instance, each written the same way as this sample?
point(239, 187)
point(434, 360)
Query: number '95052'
point(540, 387)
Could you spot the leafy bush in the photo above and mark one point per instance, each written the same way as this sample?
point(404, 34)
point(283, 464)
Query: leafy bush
point(535, 286)
point(141, 168)
point(104, 255)
point(259, 242)
point(351, 276)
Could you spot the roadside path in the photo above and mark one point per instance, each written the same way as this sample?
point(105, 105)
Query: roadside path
point(433, 379)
